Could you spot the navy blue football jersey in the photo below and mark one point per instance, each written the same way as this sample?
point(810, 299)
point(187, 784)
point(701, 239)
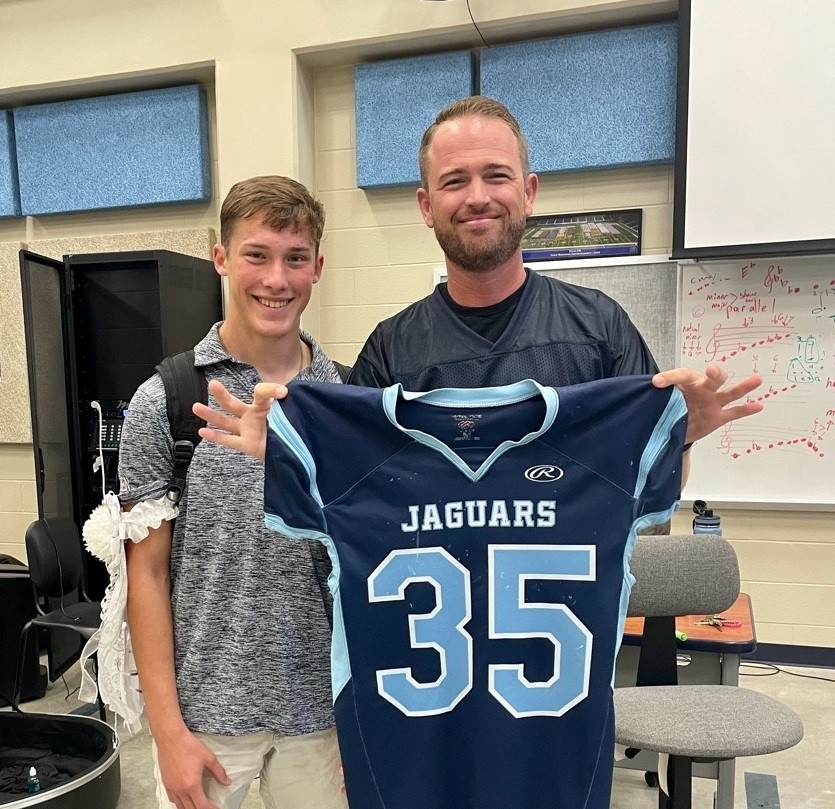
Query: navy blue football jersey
point(480, 541)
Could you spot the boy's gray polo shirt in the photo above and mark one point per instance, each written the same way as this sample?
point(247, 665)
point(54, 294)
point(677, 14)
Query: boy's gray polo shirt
point(251, 631)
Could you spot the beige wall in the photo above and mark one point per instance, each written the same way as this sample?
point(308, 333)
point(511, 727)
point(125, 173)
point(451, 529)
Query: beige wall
point(283, 85)
point(18, 500)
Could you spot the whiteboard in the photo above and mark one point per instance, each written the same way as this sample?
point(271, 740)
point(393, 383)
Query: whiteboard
point(775, 317)
point(754, 171)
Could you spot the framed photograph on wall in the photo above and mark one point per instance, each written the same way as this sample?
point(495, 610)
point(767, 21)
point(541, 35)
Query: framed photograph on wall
point(582, 235)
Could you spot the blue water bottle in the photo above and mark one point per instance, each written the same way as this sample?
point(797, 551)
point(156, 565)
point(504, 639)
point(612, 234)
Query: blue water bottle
point(705, 522)
point(33, 783)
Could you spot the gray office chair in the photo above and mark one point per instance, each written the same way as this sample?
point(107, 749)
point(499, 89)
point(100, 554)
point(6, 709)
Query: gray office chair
point(690, 575)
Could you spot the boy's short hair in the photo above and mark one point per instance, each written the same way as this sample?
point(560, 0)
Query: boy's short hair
point(473, 107)
point(281, 201)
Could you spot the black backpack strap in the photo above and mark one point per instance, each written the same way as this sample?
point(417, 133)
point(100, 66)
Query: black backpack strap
point(184, 385)
point(344, 371)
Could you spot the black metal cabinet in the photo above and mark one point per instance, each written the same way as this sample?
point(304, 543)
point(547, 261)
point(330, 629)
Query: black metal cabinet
point(96, 325)
point(17, 606)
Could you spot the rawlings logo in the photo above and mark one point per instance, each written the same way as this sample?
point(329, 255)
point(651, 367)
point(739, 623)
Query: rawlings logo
point(544, 473)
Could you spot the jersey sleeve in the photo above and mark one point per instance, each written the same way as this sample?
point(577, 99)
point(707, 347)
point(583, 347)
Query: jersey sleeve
point(292, 504)
point(632, 355)
point(658, 488)
point(146, 447)
point(371, 368)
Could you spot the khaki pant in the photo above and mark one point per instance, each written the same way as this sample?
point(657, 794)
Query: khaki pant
point(296, 772)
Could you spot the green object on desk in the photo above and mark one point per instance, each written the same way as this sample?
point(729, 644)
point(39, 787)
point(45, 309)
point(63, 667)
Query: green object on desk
point(681, 636)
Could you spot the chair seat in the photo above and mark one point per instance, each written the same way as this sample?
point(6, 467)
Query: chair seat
point(704, 721)
point(83, 617)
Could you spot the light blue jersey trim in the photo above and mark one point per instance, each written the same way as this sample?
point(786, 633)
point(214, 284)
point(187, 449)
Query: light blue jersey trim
point(340, 661)
point(472, 397)
point(628, 578)
point(278, 422)
point(674, 410)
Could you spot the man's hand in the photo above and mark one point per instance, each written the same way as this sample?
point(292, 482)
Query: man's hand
point(242, 427)
point(707, 400)
point(182, 763)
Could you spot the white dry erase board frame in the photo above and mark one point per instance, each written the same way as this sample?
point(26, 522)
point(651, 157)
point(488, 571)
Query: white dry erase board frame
point(775, 317)
point(645, 286)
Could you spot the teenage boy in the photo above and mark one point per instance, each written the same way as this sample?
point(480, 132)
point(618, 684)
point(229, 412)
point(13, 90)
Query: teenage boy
point(227, 620)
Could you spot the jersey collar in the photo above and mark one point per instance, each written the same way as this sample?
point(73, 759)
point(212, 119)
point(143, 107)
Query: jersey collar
point(468, 398)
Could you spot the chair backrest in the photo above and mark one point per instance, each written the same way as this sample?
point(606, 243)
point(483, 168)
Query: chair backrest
point(677, 575)
point(54, 552)
point(683, 575)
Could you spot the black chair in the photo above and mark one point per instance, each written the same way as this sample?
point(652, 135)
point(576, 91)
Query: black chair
point(690, 575)
point(56, 568)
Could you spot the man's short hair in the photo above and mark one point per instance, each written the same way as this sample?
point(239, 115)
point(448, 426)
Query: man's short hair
point(281, 202)
point(476, 107)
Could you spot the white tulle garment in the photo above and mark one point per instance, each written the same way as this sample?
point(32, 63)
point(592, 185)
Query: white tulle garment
point(105, 533)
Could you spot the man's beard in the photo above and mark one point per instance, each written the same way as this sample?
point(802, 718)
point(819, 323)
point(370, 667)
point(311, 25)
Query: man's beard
point(480, 254)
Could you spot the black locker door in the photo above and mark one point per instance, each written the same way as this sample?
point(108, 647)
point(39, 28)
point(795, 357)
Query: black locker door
point(46, 319)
